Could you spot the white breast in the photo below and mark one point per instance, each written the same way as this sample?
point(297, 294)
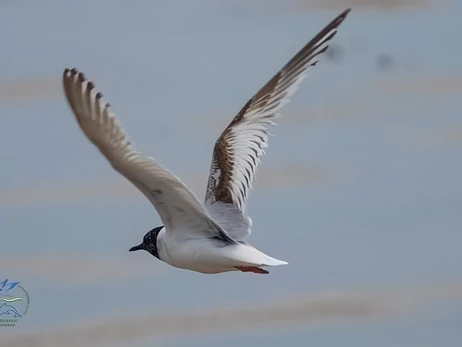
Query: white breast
point(196, 254)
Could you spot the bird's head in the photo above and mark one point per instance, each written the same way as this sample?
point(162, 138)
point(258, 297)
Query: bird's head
point(149, 242)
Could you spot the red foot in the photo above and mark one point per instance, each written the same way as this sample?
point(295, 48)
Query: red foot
point(253, 269)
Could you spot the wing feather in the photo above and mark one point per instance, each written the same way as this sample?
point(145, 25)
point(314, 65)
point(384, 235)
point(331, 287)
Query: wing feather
point(237, 151)
point(177, 206)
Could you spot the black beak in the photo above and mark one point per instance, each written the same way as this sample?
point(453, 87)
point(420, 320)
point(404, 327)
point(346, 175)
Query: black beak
point(137, 248)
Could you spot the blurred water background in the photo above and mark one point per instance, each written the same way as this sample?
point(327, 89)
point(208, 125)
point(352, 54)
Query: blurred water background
point(360, 191)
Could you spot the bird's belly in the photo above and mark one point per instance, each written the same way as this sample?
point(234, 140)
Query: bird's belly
point(196, 255)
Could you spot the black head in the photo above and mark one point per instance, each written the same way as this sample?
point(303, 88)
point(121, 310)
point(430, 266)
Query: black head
point(149, 242)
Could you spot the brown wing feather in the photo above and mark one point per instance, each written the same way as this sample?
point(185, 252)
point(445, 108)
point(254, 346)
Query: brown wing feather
point(261, 109)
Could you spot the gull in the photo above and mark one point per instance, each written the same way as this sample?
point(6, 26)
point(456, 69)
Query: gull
point(208, 237)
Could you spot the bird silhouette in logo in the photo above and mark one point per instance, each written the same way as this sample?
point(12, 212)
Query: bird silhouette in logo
point(9, 310)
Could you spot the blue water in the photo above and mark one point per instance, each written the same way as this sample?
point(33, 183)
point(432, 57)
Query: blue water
point(385, 214)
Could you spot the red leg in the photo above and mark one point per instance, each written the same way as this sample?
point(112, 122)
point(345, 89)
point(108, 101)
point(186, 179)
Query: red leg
point(253, 269)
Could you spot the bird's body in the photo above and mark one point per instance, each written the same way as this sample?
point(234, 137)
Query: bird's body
point(210, 255)
point(207, 237)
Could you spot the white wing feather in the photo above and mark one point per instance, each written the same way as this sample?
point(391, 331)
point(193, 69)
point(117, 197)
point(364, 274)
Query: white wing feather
point(178, 208)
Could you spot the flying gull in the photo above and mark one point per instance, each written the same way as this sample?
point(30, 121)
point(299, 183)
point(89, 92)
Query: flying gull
point(207, 237)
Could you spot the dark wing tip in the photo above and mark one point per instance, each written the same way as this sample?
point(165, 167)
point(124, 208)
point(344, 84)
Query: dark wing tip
point(345, 13)
point(81, 77)
point(70, 73)
point(340, 18)
point(319, 39)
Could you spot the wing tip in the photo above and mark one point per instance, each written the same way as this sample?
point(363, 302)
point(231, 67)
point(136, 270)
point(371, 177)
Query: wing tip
point(340, 18)
point(345, 13)
point(71, 73)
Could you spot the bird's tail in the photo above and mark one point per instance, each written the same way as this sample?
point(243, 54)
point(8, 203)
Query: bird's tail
point(257, 258)
point(273, 262)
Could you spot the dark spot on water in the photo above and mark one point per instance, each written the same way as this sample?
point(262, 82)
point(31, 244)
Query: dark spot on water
point(335, 53)
point(385, 62)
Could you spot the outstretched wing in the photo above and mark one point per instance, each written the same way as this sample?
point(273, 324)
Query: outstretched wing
point(237, 152)
point(178, 208)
